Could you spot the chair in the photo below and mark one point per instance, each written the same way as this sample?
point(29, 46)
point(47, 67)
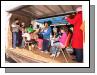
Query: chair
point(27, 43)
point(64, 48)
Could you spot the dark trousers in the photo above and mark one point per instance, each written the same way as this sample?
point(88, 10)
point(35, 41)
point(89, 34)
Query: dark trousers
point(74, 52)
point(45, 45)
point(20, 38)
point(79, 54)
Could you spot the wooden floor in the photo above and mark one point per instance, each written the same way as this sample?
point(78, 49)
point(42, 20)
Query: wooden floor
point(35, 56)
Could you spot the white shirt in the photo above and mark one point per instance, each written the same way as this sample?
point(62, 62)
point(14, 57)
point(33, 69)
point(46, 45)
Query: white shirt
point(45, 30)
point(15, 28)
point(27, 35)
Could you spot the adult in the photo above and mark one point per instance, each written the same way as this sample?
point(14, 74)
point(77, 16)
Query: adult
point(77, 38)
point(46, 36)
point(15, 29)
point(22, 32)
point(22, 25)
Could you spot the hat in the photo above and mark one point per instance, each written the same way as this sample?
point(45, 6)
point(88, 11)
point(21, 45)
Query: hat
point(79, 9)
point(49, 23)
point(29, 30)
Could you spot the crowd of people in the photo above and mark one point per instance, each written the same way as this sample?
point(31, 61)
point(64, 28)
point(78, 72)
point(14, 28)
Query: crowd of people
point(45, 40)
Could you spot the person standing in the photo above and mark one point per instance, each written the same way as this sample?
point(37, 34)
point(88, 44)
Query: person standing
point(77, 38)
point(46, 36)
point(15, 29)
point(23, 31)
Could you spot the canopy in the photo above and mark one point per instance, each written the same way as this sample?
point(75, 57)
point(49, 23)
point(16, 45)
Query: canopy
point(55, 20)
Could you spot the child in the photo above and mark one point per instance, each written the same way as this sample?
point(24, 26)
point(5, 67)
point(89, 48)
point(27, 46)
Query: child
point(22, 31)
point(59, 43)
point(23, 38)
point(34, 38)
point(54, 36)
point(46, 36)
point(30, 39)
point(26, 37)
point(40, 41)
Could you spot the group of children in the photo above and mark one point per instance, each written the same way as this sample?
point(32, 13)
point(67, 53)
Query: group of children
point(58, 40)
point(16, 29)
point(41, 38)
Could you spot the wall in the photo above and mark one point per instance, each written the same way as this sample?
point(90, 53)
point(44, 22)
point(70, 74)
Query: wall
point(21, 18)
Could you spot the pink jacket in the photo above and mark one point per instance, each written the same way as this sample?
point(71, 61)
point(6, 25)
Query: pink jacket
point(63, 38)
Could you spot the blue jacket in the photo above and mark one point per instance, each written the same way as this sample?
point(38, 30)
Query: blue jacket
point(46, 35)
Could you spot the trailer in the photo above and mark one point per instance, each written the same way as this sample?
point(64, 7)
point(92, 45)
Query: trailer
point(26, 13)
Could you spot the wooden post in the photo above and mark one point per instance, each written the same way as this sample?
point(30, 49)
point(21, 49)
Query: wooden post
point(8, 32)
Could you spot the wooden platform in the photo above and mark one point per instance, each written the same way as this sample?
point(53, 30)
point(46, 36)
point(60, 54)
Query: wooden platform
point(34, 56)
